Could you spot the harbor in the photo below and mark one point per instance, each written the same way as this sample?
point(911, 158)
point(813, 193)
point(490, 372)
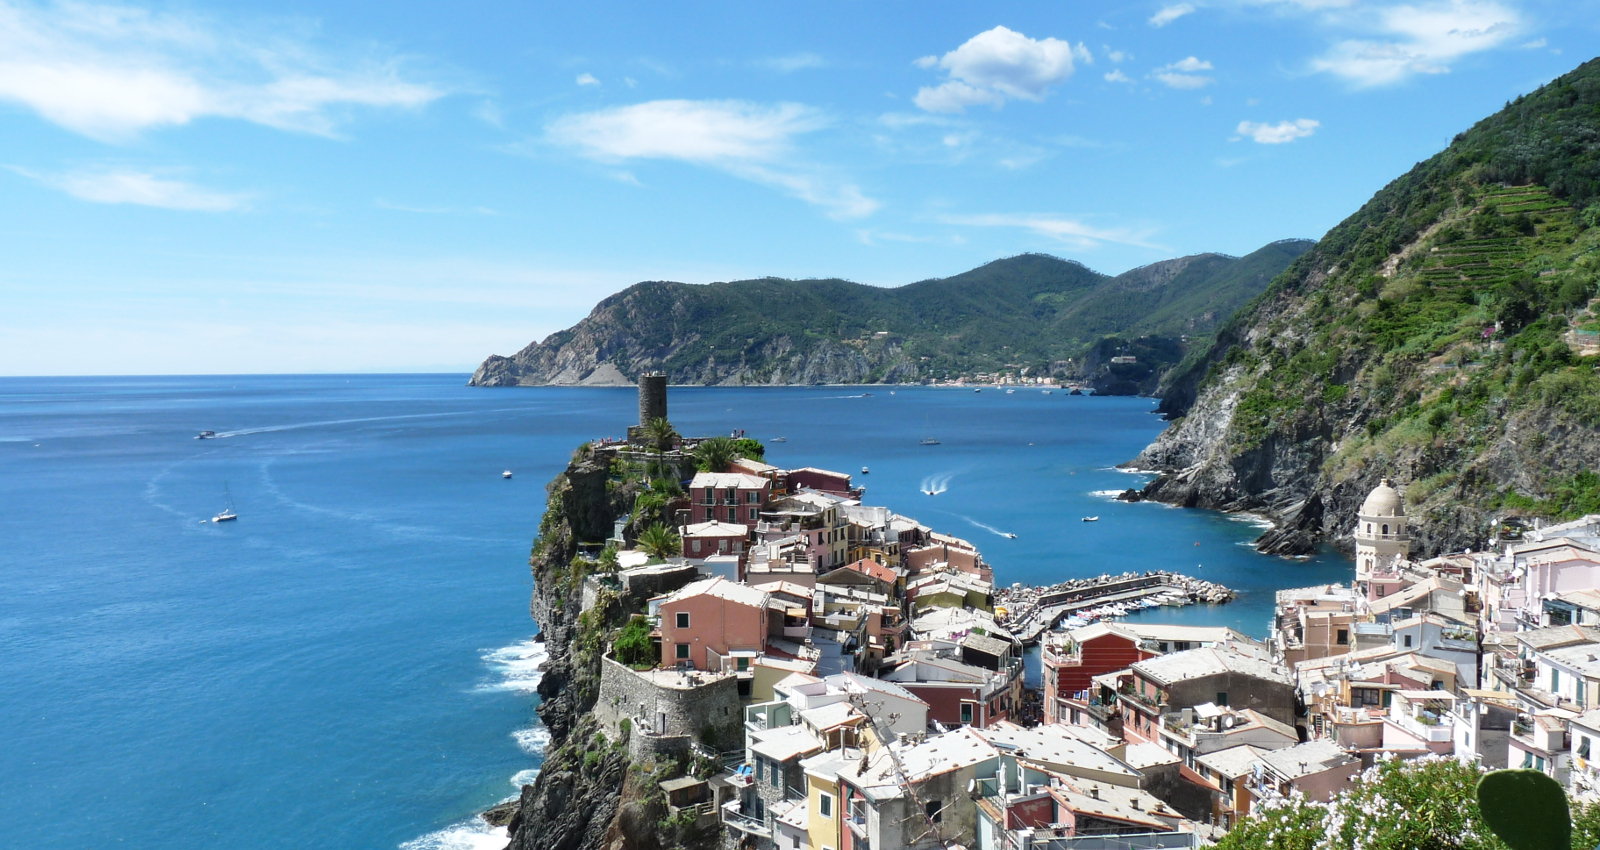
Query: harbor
point(1031, 611)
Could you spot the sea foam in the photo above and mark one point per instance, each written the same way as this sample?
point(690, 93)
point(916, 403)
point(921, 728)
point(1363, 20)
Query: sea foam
point(517, 667)
point(473, 834)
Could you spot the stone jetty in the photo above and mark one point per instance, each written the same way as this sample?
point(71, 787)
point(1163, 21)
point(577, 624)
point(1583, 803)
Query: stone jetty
point(1030, 610)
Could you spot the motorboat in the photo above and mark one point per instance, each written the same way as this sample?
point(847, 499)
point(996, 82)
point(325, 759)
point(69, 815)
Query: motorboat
point(865, 471)
point(779, 440)
point(1011, 535)
point(929, 441)
point(1091, 519)
point(205, 435)
point(1011, 392)
point(506, 474)
point(228, 514)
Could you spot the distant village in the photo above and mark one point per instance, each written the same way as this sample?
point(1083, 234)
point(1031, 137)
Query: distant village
point(875, 675)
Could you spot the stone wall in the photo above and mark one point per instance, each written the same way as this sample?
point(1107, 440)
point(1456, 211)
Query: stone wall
point(663, 710)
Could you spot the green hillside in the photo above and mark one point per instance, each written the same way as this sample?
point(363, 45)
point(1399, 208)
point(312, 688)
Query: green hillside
point(1443, 335)
point(1033, 312)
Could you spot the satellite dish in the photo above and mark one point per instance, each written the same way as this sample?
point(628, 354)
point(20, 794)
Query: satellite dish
point(1227, 722)
point(971, 784)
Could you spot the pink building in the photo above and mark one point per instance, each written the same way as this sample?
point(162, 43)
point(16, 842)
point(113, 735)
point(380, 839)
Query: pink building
point(705, 539)
point(716, 624)
point(821, 480)
point(732, 497)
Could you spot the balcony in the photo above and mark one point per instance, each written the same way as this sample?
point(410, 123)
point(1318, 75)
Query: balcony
point(735, 819)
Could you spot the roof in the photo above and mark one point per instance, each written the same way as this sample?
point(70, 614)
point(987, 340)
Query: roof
point(725, 480)
point(784, 742)
point(1383, 501)
point(1048, 746)
point(719, 588)
point(832, 716)
point(1583, 657)
point(944, 753)
point(1201, 634)
point(1101, 629)
point(1106, 803)
point(715, 529)
point(867, 566)
point(1142, 755)
point(817, 471)
point(671, 785)
point(1306, 759)
point(1412, 593)
point(784, 588)
point(857, 683)
point(986, 645)
point(1265, 722)
point(1555, 637)
point(1233, 762)
point(1207, 661)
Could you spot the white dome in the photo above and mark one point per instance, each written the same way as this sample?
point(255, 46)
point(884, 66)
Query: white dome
point(1384, 500)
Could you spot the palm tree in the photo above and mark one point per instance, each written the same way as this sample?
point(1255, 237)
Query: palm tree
point(715, 454)
point(660, 541)
point(647, 508)
point(660, 433)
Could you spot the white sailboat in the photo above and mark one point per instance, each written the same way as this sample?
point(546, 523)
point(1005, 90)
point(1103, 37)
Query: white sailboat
point(227, 511)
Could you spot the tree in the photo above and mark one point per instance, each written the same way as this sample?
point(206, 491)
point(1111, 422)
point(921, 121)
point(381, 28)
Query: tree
point(660, 434)
point(633, 644)
point(715, 454)
point(647, 508)
point(750, 448)
point(660, 541)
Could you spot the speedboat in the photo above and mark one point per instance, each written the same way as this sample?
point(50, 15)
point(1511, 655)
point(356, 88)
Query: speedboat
point(205, 435)
point(929, 441)
point(506, 474)
point(1011, 392)
point(978, 390)
point(865, 471)
point(1011, 535)
point(1091, 519)
point(780, 439)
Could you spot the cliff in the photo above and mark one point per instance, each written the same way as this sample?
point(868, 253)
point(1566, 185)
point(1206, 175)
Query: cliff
point(1444, 335)
point(1032, 311)
point(591, 792)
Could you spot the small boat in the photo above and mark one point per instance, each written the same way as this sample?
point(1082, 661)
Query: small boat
point(205, 435)
point(228, 513)
point(1047, 392)
point(1011, 535)
point(1091, 519)
point(866, 395)
point(1011, 392)
point(779, 440)
point(865, 471)
point(978, 390)
point(929, 441)
point(506, 474)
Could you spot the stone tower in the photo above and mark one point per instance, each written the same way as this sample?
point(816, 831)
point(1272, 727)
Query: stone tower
point(1381, 536)
point(652, 397)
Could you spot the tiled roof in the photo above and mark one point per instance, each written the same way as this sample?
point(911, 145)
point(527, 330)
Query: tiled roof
point(1210, 661)
point(725, 480)
point(719, 588)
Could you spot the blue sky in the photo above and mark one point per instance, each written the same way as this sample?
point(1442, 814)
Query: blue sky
point(396, 186)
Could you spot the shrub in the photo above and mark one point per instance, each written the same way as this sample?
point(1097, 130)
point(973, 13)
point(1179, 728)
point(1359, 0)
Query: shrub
point(633, 645)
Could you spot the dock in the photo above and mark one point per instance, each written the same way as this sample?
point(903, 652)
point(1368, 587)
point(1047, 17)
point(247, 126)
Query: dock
point(1031, 611)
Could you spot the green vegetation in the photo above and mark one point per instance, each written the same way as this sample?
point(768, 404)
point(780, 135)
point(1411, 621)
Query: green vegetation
point(714, 454)
point(1031, 312)
point(1451, 305)
point(1526, 809)
point(752, 449)
point(1402, 805)
point(633, 645)
point(660, 541)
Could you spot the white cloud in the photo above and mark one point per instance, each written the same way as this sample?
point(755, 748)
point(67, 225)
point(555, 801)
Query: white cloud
point(1279, 133)
point(1417, 39)
point(1067, 231)
point(1116, 55)
point(1182, 74)
point(1535, 44)
point(125, 186)
point(1116, 76)
point(587, 80)
point(747, 140)
point(794, 62)
point(994, 66)
point(1168, 14)
point(110, 72)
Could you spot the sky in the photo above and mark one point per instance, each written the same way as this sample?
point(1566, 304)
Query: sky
point(397, 186)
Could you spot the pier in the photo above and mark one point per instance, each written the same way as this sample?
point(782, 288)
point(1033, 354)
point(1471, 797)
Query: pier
point(1031, 611)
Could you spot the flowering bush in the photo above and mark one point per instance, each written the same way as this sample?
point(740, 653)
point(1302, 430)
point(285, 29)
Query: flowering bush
point(1394, 805)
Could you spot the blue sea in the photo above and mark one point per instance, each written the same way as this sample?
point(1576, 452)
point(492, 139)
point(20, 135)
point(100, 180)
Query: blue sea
point(351, 663)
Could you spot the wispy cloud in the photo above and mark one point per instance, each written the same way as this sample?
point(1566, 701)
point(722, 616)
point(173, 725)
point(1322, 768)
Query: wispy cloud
point(111, 72)
point(749, 141)
point(1116, 76)
point(127, 186)
point(1168, 14)
point(1063, 229)
point(793, 62)
point(587, 79)
point(872, 237)
point(997, 65)
point(1279, 133)
point(1182, 74)
point(1399, 42)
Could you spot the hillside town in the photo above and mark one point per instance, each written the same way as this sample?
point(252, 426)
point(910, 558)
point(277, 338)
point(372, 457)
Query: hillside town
point(876, 692)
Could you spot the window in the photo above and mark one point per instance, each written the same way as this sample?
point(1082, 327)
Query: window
point(1377, 590)
point(683, 652)
point(1466, 740)
point(825, 805)
point(934, 810)
point(753, 514)
point(1555, 680)
point(761, 768)
point(776, 775)
point(796, 841)
point(1385, 528)
point(1408, 641)
point(697, 547)
point(682, 619)
point(1369, 531)
point(1527, 759)
point(1222, 697)
point(733, 515)
point(1538, 762)
point(743, 664)
point(1437, 685)
point(750, 497)
point(1343, 638)
point(1583, 748)
point(966, 712)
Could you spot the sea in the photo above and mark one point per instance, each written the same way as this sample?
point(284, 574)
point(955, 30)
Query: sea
point(351, 663)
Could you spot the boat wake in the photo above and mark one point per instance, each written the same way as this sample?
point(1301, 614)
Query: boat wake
point(987, 527)
point(938, 483)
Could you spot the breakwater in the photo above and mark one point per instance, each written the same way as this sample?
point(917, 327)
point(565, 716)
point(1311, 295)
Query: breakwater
point(1030, 611)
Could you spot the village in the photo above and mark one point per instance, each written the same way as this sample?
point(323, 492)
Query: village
point(847, 678)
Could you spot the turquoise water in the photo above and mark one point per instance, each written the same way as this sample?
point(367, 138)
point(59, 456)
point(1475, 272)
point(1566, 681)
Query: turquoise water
point(350, 663)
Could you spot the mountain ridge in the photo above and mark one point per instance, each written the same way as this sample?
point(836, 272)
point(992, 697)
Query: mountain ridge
point(1030, 311)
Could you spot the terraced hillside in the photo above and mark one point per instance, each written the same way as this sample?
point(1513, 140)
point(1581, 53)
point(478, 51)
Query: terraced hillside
point(1444, 335)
